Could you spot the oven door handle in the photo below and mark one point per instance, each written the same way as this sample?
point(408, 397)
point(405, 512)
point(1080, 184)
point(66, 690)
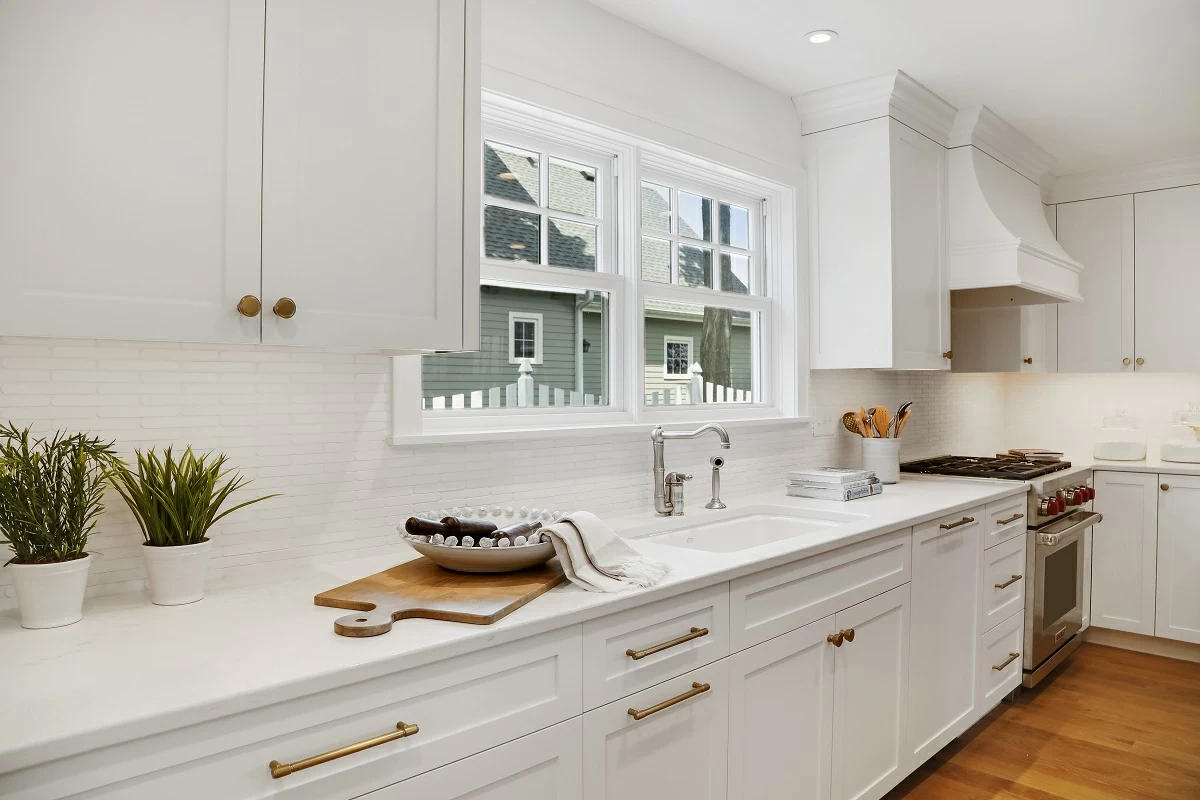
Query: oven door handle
point(1055, 538)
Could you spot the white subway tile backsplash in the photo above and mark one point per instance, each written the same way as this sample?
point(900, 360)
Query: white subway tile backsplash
point(312, 424)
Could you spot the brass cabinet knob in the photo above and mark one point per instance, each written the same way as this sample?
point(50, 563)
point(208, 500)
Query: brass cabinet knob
point(948, 354)
point(835, 639)
point(1028, 360)
point(249, 306)
point(1164, 486)
point(1140, 361)
point(847, 634)
point(284, 308)
point(1125, 361)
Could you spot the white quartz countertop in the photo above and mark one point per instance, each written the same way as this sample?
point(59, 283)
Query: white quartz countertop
point(1151, 463)
point(131, 669)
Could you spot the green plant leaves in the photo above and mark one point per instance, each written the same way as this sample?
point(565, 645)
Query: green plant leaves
point(50, 493)
point(177, 500)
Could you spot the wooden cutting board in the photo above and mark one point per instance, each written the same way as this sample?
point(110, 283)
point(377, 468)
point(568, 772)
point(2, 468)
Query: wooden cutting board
point(420, 588)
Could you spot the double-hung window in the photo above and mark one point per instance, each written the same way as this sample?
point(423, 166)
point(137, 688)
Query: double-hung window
point(620, 281)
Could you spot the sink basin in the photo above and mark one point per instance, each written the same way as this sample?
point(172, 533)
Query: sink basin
point(753, 530)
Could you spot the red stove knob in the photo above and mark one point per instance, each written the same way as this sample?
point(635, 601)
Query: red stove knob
point(1077, 498)
point(1060, 505)
point(1091, 492)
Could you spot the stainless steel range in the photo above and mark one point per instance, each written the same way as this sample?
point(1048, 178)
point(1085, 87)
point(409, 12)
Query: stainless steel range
point(1058, 516)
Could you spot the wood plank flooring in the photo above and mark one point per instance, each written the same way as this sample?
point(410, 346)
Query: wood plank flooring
point(1109, 725)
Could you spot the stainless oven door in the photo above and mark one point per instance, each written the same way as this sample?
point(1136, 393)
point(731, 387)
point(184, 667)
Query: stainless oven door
point(1054, 608)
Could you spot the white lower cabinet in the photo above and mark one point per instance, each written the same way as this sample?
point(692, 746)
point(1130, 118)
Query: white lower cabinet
point(947, 560)
point(678, 748)
point(870, 698)
point(1124, 551)
point(999, 669)
point(547, 765)
point(781, 715)
point(1177, 612)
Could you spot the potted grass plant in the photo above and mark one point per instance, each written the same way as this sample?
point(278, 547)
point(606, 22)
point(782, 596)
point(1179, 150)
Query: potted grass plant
point(50, 497)
point(176, 501)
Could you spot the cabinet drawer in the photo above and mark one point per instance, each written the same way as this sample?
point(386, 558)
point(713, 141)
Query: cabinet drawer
point(1000, 647)
point(629, 651)
point(1004, 582)
point(462, 706)
point(771, 603)
point(1004, 519)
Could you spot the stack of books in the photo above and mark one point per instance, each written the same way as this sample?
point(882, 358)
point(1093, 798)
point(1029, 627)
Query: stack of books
point(833, 483)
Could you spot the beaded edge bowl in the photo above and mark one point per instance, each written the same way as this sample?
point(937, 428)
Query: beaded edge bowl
point(486, 559)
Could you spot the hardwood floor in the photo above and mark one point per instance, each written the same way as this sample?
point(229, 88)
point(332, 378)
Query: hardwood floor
point(1109, 725)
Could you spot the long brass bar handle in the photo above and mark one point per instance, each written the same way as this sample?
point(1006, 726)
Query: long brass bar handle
point(1008, 582)
point(283, 770)
point(1013, 518)
point(638, 655)
point(1011, 658)
point(697, 688)
point(953, 525)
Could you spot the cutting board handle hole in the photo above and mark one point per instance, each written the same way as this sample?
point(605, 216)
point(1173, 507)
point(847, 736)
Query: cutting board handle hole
point(361, 619)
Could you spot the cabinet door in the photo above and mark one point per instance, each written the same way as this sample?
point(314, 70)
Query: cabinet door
point(129, 203)
point(1124, 547)
point(547, 765)
point(870, 698)
point(781, 716)
point(364, 178)
point(1168, 279)
point(944, 632)
point(1097, 334)
point(1177, 611)
point(679, 750)
point(920, 289)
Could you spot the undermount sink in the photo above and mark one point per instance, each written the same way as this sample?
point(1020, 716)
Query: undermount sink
point(749, 530)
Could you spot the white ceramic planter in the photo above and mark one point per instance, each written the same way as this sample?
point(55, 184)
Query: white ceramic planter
point(177, 573)
point(50, 595)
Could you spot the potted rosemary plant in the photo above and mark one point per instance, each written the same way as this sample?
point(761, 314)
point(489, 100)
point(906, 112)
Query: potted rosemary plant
point(176, 501)
point(50, 496)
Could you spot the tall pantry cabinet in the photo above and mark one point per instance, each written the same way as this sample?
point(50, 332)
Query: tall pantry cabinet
point(291, 171)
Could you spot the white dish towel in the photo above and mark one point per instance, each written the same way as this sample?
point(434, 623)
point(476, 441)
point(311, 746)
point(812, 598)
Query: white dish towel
point(596, 558)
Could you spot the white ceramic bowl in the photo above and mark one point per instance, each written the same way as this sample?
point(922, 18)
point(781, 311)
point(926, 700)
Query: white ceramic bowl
point(485, 559)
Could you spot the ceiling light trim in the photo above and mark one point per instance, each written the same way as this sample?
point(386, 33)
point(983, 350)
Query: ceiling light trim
point(894, 94)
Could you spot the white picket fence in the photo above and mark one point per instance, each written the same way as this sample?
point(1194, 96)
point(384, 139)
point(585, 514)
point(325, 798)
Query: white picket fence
point(524, 394)
point(696, 392)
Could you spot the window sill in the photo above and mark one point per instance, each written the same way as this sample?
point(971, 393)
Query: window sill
point(550, 431)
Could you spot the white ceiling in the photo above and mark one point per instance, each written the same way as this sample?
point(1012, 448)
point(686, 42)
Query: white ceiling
point(1097, 83)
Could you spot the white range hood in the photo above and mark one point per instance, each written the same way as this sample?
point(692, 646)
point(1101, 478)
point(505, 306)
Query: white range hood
point(1000, 249)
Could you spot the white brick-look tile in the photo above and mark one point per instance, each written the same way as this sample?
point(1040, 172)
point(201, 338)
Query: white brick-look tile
point(312, 425)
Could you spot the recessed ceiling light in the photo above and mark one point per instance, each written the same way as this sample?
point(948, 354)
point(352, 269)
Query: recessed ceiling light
point(821, 37)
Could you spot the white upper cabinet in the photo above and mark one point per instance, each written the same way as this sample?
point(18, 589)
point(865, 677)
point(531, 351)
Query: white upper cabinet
point(147, 191)
point(129, 206)
point(1097, 334)
point(366, 125)
point(1168, 279)
point(878, 291)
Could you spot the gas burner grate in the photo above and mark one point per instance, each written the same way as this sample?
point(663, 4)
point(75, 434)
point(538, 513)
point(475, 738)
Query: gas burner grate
point(1005, 467)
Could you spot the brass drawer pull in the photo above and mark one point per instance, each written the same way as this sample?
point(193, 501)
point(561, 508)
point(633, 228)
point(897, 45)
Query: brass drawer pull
point(1013, 518)
point(1011, 658)
point(638, 655)
point(1008, 582)
point(283, 770)
point(697, 688)
point(953, 525)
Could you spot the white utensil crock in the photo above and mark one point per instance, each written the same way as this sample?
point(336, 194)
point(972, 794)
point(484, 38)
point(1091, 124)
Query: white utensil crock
point(51, 595)
point(882, 456)
point(176, 573)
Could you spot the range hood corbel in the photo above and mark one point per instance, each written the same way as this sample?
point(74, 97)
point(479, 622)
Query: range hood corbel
point(1000, 250)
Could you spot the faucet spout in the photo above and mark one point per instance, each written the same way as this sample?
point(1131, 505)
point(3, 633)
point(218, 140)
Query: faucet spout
point(658, 437)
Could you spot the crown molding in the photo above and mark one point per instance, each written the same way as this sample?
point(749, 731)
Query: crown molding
point(982, 128)
point(1140, 178)
point(893, 94)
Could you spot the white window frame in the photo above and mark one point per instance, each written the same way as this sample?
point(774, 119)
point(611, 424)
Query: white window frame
point(670, 340)
point(525, 316)
point(779, 366)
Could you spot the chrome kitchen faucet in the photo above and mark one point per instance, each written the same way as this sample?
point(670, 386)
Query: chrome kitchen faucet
point(668, 487)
